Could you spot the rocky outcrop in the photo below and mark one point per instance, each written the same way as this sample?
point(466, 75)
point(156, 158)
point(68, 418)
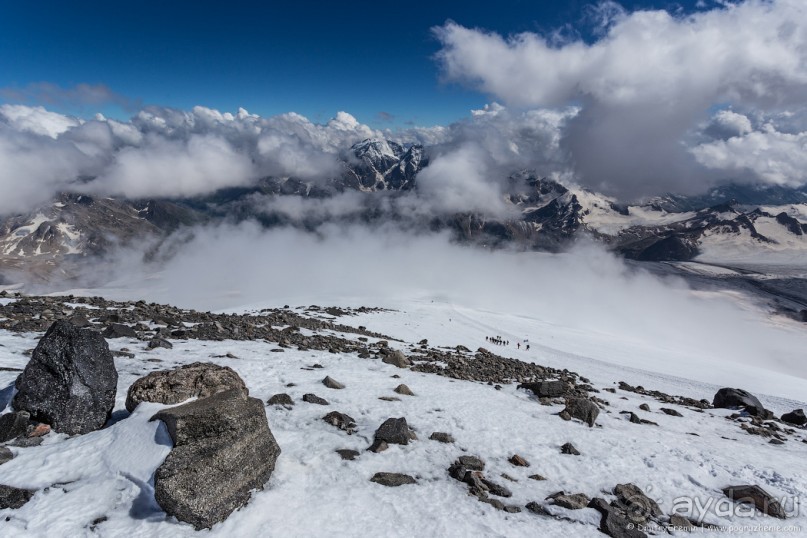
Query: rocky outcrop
point(196, 380)
point(70, 381)
point(223, 449)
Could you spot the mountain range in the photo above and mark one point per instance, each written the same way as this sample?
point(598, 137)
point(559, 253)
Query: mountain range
point(543, 215)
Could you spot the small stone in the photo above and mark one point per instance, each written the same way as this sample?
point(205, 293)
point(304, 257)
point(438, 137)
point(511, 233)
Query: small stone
point(671, 412)
point(39, 430)
point(536, 477)
point(314, 399)
point(331, 383)
point(281, 399)
point(574, 501)
point(404, 390)
point(442, 437)
point(154, 343)
point(347, 454)
point(518, 461)
point(569, 448)
point(342, 421)
point(392, 479)
point(644, 407)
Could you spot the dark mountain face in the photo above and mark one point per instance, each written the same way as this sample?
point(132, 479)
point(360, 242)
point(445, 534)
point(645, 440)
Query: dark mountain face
point(544, 214)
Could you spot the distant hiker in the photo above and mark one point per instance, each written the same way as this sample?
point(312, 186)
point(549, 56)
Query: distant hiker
point(518, 345)
point(528, 347)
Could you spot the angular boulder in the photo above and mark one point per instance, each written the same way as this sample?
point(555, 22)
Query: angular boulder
point(393, 431)
point(582, 409)
point(11, 497)
point(546, 389)
point(223, 449)
point(70, 381)
point(727, 398)
point(397, 358)
point(196, 380)
point(797, 417)
point(761, 499)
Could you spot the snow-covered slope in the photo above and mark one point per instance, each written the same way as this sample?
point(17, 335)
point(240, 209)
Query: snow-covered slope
point(99, 484)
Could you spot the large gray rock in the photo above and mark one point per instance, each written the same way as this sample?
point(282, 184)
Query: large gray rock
point(196, 380)
point(223, 449)
point(13, 425)
point(761, 499)
point(393, 431)
point(11, 497)
point(397, 358)
point(582, 409)
point(70, 381)
point(546, 389)
point(728, 398)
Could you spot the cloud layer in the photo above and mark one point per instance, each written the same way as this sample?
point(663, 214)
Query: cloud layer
point(645, 84)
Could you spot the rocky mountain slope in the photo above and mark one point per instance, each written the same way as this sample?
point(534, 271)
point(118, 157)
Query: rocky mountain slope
point(544, 215)
point(359, 428)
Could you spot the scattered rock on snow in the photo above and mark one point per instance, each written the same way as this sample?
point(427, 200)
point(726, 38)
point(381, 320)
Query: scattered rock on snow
point(761, 499)
point(119, 330)
point(796, 417)
point(342, 421)
point(70, 381)
point(154, 343)
point(397, 358)
point(314, 399)
point(394, 431)
point(281, 399)
point(518, 461)
point(568, 448)
point(392, 479)
point(5, 455)
point(728, 398)
point(223, 449)
point(574, 501)
point(638, 506)
point(11, 497)
point(546, 389)
point(442, 437)
point(195, 380)
point(644, 407)
point(582, 409)
point(331, 383)
point(404, 390)
point(347, 454)
point(671, 412)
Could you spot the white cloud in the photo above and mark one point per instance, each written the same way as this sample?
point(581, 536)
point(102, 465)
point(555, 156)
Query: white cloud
point(644, 85)
point(36, 120)
point(778, 158)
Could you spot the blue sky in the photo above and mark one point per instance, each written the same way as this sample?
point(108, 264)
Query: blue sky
point(374, 60)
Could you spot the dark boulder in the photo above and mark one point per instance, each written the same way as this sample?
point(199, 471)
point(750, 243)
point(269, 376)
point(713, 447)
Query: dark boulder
point(761, 499)
point(281, 399)
point(569, 449)
point(11, 497)
point(573, 501)
point(314, 399)
point(728, 398)
point(5, 455)
point(671, 412)
point(796, 417)
point(13, 425)
point(392, 479)
point(637, 506)
point(70, 381)
point(155, 343)
point(582, 409)
point(119, 330)
point(347, 454)
point(393, 431)
point(223, 450)
point(404, 390)
point(546, 389)
point(613, 523)
point(331, 383)
point(196, 380)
